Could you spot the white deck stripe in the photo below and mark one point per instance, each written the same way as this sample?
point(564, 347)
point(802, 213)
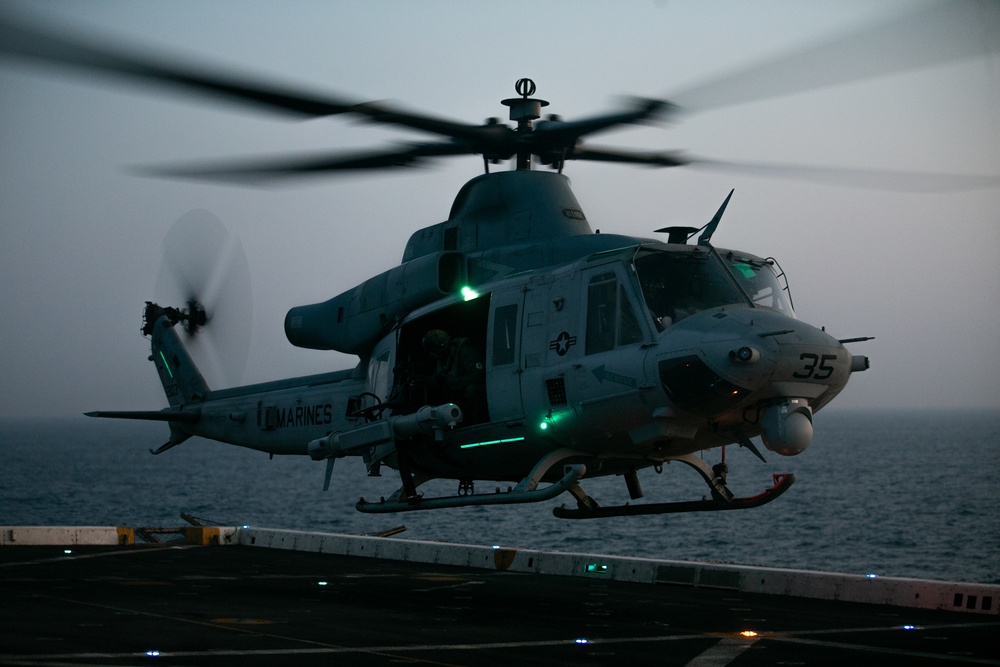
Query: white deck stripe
point(723, 653)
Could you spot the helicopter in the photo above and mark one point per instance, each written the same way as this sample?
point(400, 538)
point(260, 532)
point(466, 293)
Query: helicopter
point(600, 354)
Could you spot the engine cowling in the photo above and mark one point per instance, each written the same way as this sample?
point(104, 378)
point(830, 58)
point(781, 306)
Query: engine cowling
point(353, 322)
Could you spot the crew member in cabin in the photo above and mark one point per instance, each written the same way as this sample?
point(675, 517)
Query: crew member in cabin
point(458, 374)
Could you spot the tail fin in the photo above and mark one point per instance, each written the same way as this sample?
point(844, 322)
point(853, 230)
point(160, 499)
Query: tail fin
point(182, 381)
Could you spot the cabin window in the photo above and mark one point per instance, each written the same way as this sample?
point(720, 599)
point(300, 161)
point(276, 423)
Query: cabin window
point(504, 334)
point(611, 320)
point(378, 375)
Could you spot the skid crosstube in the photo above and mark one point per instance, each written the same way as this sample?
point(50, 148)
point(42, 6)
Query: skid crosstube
point(782, 482)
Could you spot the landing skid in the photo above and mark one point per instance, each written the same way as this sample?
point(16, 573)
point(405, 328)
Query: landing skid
point(401, 503)
point(781, 484)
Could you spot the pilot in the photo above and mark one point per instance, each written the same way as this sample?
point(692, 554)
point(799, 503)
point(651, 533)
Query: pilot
point(459, 375)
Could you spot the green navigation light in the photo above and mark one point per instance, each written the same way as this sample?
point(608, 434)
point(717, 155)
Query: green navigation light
point(469, 294)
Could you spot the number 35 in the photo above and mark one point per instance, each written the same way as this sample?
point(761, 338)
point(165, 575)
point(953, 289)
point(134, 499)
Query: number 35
point(816, 367)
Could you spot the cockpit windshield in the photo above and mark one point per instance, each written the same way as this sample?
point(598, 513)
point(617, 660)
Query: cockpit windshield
point(759, 280)
point(678, 284)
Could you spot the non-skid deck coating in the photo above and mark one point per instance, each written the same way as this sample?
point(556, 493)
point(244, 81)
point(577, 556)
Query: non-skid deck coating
point(239, 605)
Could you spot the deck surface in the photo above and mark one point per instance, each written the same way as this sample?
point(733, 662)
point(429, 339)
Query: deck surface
point(237, 605)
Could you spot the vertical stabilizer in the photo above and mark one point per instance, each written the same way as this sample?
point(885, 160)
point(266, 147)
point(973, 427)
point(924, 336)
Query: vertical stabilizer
point(182, 381)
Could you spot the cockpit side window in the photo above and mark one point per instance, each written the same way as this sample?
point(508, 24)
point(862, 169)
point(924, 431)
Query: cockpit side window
point(611, 320)
point(602, 310)
point(628, 325)
point(677, 285)
point(759, 280)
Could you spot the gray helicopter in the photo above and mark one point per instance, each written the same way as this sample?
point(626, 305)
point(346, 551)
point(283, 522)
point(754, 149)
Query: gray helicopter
point(513, 345)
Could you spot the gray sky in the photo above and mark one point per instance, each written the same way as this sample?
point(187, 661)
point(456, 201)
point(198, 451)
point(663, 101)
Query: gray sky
point(81, 240)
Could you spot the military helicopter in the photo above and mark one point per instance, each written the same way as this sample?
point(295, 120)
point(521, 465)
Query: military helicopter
point(513, 345)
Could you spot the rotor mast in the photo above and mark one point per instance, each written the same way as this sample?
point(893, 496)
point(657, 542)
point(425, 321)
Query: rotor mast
point(524, 110)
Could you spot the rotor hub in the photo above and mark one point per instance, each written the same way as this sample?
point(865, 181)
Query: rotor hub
point(525, 108)
point(195, 317)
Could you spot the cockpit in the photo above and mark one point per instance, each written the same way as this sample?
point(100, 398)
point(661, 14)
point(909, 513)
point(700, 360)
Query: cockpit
point(761, 280)
point(676, 285)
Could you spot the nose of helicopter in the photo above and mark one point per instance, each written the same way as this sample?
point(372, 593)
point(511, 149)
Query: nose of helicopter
point(754, 365)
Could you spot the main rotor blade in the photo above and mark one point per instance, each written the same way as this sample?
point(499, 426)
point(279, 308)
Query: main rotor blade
point(940, 34)
point(870, 179)
point(21, 40)
point(480, 136)
point(102, 56)
point(250, 172)
point(565, 133)
point(651, 158)
point(45, 45)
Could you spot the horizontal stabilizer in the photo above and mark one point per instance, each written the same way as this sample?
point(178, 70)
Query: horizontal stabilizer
point(149, 415)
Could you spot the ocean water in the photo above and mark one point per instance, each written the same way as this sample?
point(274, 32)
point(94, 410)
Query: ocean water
point(897, 493)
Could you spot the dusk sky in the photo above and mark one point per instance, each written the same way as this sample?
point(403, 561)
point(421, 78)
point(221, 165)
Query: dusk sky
point(81, 238)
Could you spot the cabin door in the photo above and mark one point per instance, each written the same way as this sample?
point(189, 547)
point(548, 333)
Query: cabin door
point(503, 355)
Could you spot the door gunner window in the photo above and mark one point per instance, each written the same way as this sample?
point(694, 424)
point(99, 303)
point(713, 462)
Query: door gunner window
point(611, 320)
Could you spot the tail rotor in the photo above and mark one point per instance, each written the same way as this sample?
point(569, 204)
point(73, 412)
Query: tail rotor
point(205, 268)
